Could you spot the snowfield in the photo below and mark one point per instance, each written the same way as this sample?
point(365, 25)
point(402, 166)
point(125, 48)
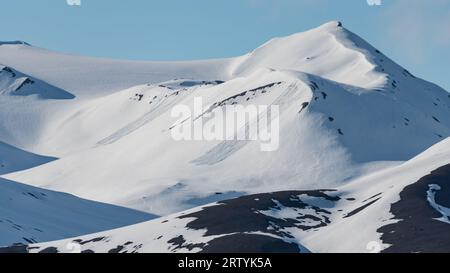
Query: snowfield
point(359, 137)
point(29, 215)
point(13, 159)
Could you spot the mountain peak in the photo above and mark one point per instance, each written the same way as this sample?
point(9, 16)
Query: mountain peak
point(332, 24)
point(329, 51)
point(16, 83)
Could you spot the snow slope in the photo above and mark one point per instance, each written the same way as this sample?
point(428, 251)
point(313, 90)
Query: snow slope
point(342, 129)
point(29, 214)
point(13, 159)
point(361, 216)
point(329, 51)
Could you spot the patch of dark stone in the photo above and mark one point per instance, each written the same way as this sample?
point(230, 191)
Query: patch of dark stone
point(355, 211)
point(9, 70)
point(136, 248)
point(21, 248)
point(25, 82)
point(33, 195)
point(372, 197)
point(117, 249)
point(30, 241)
point(194, 83)
point(95, 240)
point(436, 119)
point(313, 86)
point(242, 94)
point(180, 243)
point(49, 250)
point(249, 243)
point(15, 249)
point(164, 86)
point(394, 84)
point(417, 229)
point(243, 215)
point(304, 105)
point(230, 100)
point(139, 96)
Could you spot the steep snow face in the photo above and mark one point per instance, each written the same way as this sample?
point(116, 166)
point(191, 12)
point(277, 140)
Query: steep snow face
point(395, 123)
point(13, 159)
point(29, 214)
point(15, 83)
point(329, 51)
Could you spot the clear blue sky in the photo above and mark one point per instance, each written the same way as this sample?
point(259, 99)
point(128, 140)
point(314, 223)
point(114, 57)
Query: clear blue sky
point(415, 33)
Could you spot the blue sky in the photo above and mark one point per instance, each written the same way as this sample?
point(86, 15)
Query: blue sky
point(415, 33)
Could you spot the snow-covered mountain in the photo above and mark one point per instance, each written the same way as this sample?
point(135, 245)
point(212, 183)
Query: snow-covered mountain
point(15, 83)
point(349, 119)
